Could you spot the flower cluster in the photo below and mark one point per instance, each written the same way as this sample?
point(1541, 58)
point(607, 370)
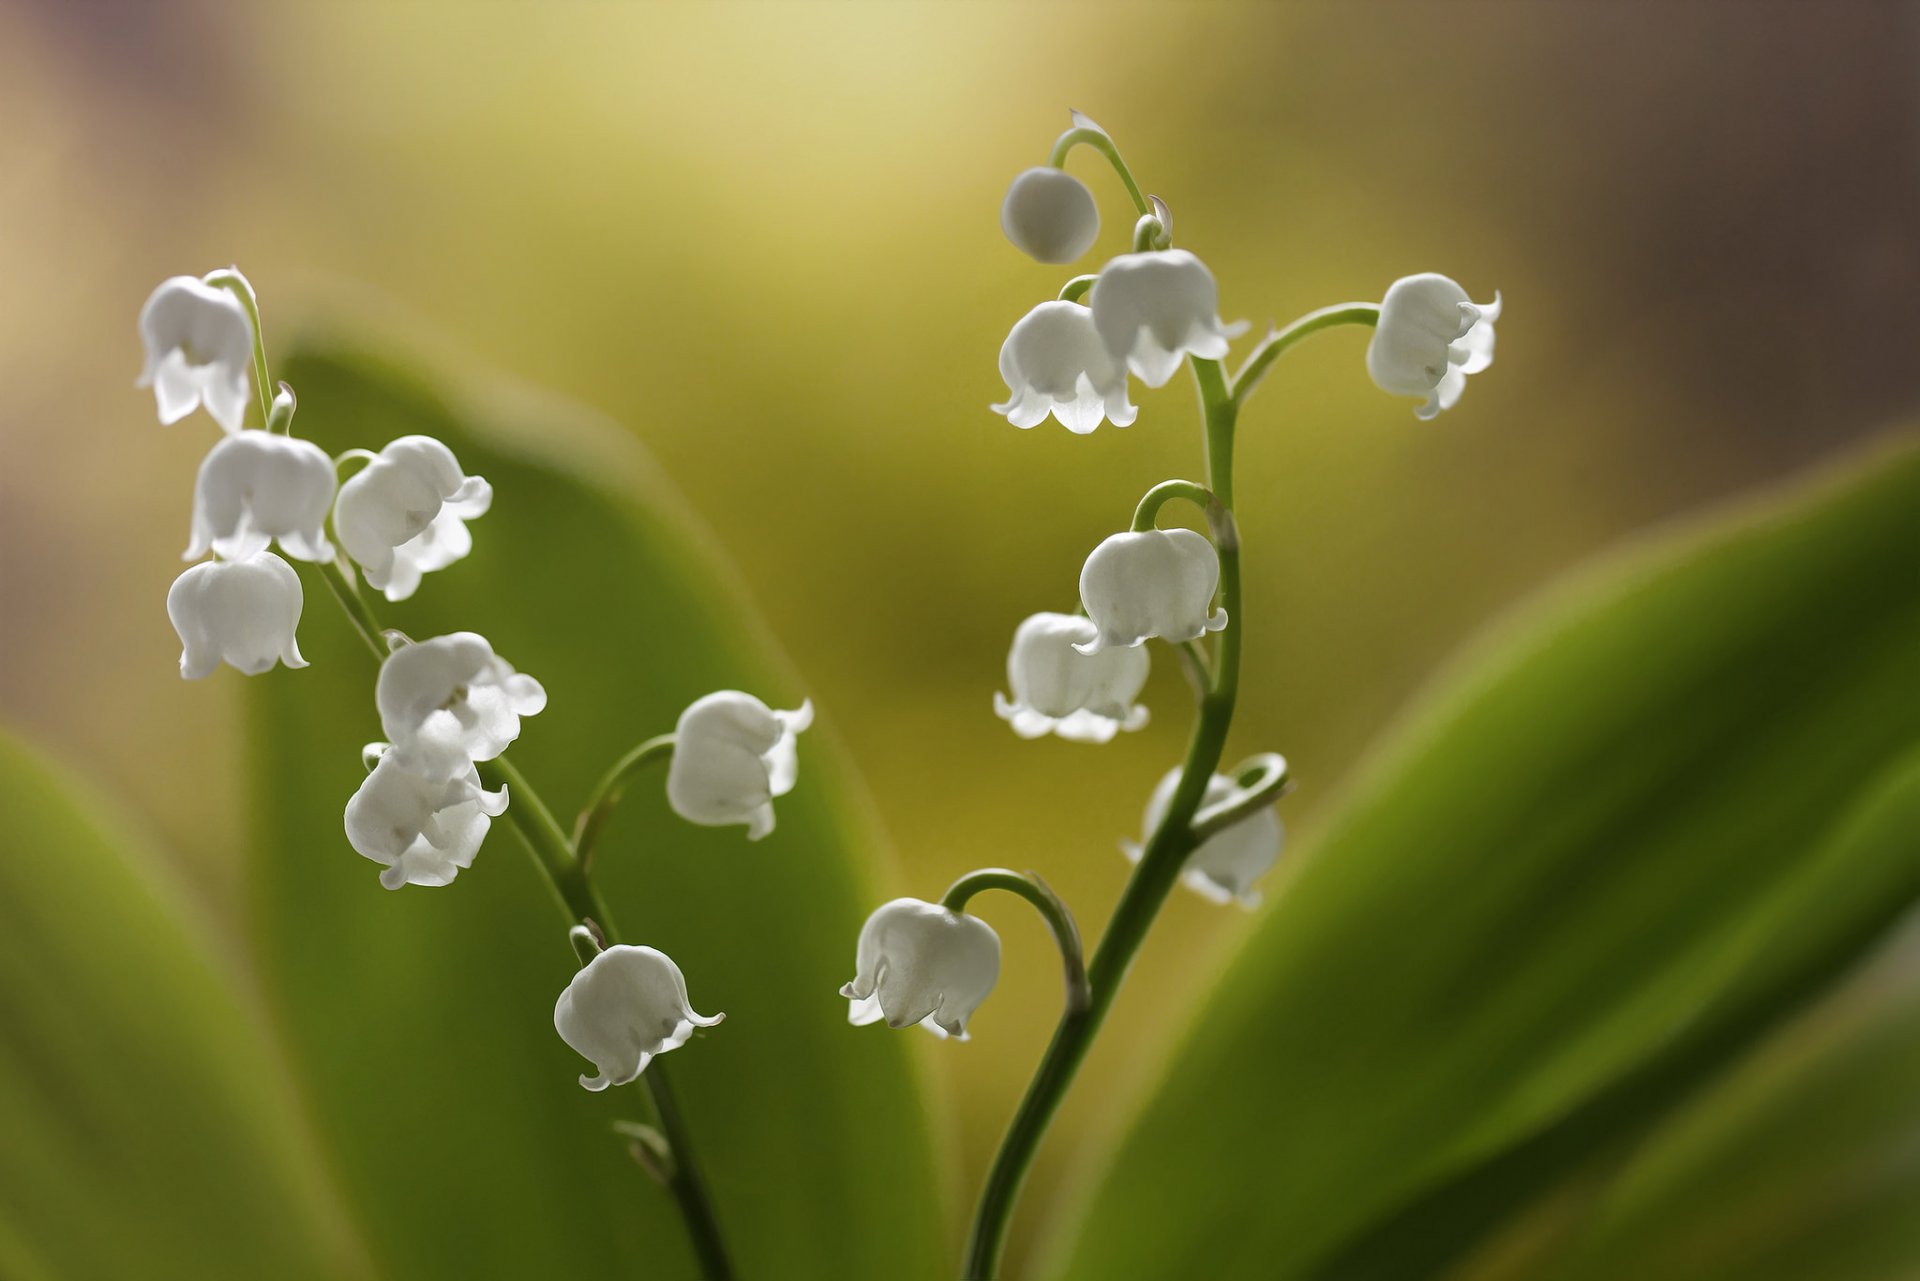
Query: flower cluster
point(449, 706)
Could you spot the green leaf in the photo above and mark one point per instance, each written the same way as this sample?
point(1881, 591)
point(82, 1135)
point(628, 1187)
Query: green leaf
point(1572, 888)
point(423, 1018)
point(146, 1127)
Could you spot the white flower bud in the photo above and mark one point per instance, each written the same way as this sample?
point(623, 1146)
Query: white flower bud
point(241, 612)
point(627, 1005)
point(405, 513)
point(1154, 308)
point(919, 962)
point(450, 701)
point(1156, 582)
point(1053, 360)
point(1087, 698)
point(1049, 215)
point(1226, 865)
point(1430, 336)
point(424, 829)
point(732, 755)
point(199, 348)
point(255, 487)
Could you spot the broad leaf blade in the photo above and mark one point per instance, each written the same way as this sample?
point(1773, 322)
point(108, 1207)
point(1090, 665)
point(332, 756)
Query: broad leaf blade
point(1573, 855)
point(146, 1128)
point(424, 1017)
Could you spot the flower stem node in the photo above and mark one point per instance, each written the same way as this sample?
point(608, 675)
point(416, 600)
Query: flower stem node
point(199, 344)
point(241, 612)
point(405, 514)
point(256, 487)
point(450, 701)
point(1154, 309)
point(919, 962)
point(1049, 215)
point(1054, 362)
point(732, 756)
point(1146, 583)
point(424, 829)
point(1084, 698)
point(627, 1005)
point(1430, 336)
point(1225, 866)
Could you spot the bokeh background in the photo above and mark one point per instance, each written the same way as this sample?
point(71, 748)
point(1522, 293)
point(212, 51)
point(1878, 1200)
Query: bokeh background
point(764, 238)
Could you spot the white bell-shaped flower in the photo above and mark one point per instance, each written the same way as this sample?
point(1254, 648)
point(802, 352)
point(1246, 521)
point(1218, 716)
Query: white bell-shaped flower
point(1087, 698)
point(450, 701)
point(732, 755)
point(919, 962)
point(1053, 361)
point(1049, 215)
point(425, 830)
point(240, 612)
point(627, 1005)
point(1152, 309)
point(1225, 867)
point(256, 487)
point(199, 348)
point(1155, 582)
point(404, 514)
point(1430, 336)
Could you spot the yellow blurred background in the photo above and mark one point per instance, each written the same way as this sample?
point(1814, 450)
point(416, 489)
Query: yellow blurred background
point(765, 238)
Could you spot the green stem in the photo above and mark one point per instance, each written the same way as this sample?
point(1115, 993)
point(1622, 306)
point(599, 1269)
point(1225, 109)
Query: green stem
point(1076, 289)
point(240, 287)
point(346, 590)
point(1153, 878)
point(1030, 887)
point(1346, 313)
point(608, 791)
point(1101, 142)
point(1148, 512)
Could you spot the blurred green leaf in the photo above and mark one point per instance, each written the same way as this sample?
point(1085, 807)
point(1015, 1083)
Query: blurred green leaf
point(146, 1127)
point(1577, 884)
point(423, 1018)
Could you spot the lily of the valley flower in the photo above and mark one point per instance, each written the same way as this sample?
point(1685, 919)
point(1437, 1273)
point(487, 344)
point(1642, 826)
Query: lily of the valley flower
point(241, 612)
point(405, 513)
point(1153, 582)
point(1087, 698)
point(1049, 215)
point(919, 962)
point(1430, 336)
point(199, 347)
point(1227, 864)
point(425, 830)
point(732, 755)
point(1053, 361)
point(1153, 309)
point(450, 701)
point(255, 487)
point(627, 1005)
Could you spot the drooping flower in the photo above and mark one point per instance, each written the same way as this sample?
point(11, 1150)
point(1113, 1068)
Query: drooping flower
point(1154, 308)
point(425, 830)
point(199, 348)
point(732, 755)
point(405, 513)
point(1154, 582)
point(1049, 215)
point(1226, 865)
point(241, 612)
point(919, 962)
point(450, 701)
point(256, 487)
point(1087, 698)
point(627, 1005)
point(1053, 360)
point(1430, 336)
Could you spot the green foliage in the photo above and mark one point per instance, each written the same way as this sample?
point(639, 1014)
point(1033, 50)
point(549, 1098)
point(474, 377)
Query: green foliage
point(146, 1127)
point(1593, 872)
point(421, 1020)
